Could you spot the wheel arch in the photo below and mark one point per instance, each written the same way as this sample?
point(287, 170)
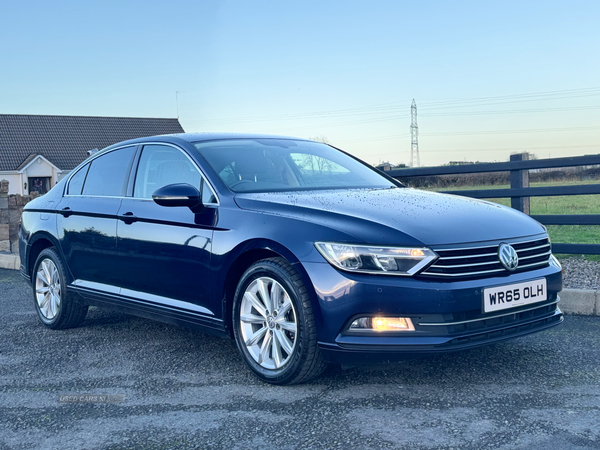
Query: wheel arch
point(39, 242)
point(249, 253)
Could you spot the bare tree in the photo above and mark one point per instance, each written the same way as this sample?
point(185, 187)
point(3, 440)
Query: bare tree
point(322, 138)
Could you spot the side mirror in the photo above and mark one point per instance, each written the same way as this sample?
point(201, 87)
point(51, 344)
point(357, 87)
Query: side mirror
point(181, 194)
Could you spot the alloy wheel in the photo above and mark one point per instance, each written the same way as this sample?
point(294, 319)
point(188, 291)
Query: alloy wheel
point(268, 323)
point(48, 289)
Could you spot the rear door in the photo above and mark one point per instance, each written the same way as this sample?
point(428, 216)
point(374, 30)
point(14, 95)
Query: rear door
point(87, 220)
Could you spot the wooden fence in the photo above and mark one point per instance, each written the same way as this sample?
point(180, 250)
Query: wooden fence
point(520, 192)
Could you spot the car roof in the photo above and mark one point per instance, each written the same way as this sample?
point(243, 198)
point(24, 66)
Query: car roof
point(197, 137)
point(209, 136)
point(189, 137)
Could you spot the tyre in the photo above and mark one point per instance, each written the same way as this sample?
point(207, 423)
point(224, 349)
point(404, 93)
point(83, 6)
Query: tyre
point(56, 308)
point(274, 326)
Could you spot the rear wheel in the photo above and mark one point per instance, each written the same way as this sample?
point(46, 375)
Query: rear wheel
point(274, 325)
point(56, 308)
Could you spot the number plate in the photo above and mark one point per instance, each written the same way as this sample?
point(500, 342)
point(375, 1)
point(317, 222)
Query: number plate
point(514, 295)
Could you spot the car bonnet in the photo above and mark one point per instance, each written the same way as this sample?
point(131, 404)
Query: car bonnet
point(432, 218)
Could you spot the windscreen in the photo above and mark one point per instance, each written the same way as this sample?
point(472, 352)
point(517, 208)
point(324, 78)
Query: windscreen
point(272, 165)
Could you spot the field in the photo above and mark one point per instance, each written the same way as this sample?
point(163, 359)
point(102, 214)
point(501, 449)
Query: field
point(566, 204)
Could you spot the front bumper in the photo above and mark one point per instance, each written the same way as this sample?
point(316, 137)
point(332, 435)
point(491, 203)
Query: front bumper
point(372, 349)
point(447, 316)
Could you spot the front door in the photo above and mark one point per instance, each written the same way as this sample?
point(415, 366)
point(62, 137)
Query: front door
point(164, 253)
point(41, 185)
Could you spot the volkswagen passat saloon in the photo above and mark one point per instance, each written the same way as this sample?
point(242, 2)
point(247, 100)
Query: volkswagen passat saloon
point(300, 252)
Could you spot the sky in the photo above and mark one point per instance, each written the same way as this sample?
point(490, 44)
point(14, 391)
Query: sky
point(489, 78)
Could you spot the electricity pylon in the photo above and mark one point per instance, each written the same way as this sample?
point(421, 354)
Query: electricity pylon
point(414, 136)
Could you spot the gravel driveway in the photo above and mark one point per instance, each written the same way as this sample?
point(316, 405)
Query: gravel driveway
point(184, 389)
point(580, 273)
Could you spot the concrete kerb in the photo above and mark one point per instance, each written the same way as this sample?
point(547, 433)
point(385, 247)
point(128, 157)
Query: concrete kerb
point(10, 261)
point(580, 301)
point(572, 301)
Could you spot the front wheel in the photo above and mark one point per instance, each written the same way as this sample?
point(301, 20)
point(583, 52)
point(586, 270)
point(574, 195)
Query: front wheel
point(274, 326)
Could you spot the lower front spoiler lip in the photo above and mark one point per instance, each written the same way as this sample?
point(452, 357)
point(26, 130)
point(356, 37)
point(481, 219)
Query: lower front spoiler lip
point(417, 347)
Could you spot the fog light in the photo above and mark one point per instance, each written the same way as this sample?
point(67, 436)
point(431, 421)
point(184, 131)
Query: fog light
point(382, 324)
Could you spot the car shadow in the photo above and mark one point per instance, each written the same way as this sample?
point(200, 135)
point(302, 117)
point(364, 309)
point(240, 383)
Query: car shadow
point(508, 362)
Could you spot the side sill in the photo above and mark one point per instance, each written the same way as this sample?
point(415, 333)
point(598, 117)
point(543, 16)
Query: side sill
point(141, 308)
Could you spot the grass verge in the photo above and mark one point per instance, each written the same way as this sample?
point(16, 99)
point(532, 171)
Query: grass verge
point(566, 204)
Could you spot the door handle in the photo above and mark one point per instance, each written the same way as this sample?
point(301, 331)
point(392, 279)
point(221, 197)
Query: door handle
point(66, 211)
point(128, 218)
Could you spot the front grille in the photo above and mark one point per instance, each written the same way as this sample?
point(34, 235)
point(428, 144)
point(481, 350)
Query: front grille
point(480, 262)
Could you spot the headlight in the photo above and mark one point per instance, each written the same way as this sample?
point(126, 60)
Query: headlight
point(375, 259)
point(554, 261)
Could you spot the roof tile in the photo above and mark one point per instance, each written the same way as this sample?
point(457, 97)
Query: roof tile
point(65, 140)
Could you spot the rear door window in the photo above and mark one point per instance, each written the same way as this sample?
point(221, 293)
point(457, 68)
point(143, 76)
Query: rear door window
point(76, 183)
point(107, 175)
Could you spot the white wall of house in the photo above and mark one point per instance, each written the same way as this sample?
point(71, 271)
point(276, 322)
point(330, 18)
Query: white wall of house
point(39, 167)
point(63, 174)
point(15, 185)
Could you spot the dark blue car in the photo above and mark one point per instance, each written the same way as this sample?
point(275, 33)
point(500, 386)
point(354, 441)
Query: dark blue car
point(300, 252)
